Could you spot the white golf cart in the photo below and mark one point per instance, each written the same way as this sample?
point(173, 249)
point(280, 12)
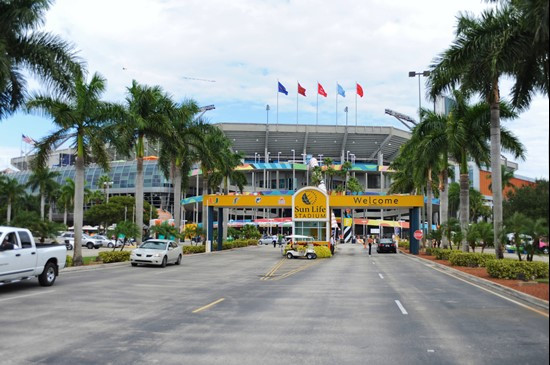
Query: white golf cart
point(299, 246)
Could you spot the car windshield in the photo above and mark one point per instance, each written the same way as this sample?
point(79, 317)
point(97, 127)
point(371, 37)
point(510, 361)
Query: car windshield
point(154, 245)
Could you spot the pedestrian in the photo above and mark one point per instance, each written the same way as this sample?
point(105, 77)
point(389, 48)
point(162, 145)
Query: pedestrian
point(370, 241)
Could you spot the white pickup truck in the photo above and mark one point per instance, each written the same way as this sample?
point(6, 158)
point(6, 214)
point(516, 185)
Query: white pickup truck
point(21, 258)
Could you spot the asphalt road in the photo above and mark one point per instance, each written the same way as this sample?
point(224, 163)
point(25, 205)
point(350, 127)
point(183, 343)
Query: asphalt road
point(250, 306)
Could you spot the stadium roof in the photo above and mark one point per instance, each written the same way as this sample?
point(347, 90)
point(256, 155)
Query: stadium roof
point(331, 141)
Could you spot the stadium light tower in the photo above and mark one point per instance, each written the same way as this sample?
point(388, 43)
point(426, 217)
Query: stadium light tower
point(413, 74)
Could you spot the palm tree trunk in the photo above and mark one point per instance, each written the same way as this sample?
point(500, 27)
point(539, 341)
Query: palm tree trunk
point(65, 216)
point(139, 198)
point(78, 214)
point(429, 206)
point(42, 205)
point(8, 213)
point(50, 211)
point(496, 170)
point(177, 199)
point(444, 204)
point(464, 206)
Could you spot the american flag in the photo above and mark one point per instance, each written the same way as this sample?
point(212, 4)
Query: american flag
point(28, 139)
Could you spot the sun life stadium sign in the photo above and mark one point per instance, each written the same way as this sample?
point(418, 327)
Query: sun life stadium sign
point(310, 204)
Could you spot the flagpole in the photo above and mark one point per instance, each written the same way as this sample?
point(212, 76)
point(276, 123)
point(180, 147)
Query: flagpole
point(21, 149)
point(277, 103)
point(355, 106)
point(317, 112)
point(337, 104)
point(297, 104)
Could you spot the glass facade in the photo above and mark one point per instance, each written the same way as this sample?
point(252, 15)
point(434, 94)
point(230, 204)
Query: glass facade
point(316, 230)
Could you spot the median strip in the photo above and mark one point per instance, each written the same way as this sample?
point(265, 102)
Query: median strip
point(208, 305)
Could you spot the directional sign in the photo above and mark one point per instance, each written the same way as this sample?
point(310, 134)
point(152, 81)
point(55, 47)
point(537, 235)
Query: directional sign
point(418, 234)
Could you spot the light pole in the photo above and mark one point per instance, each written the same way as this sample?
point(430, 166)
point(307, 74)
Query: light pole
point(307, 169)
point(278, 157)
point(267, 115)
point(267, 172)
point(413, 74)
point(106, 185)
point(293, 171)
point(277, 173)
point(347, 155)
point(253, 174)
point(346, 111)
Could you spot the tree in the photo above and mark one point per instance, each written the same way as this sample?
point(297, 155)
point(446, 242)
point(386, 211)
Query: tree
point(506, 177)
point(531, 200)
point(147, 116)
point(478, 57)
point(250, 231)
point(81, 118)
point(518, 225)
point(329, 172)
point(448, 229)
point(125, 229)
point(25, 49)
point(176, 155)
point(11, 190)
point(66, 197)
point(354, 186)
point(486, 235)
point(44, 180)
point(536, 229)
point(165, 230)
point(103, 183)
point(471, 234)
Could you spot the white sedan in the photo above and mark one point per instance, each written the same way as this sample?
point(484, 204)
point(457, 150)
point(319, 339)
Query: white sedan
point(156, 252)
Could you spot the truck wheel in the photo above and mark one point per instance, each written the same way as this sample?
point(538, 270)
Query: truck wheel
point(90, 245)
point(164, 262)
point(47, 278)
point(289, 255)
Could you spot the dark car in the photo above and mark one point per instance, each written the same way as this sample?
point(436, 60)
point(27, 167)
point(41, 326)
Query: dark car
point(386, 245)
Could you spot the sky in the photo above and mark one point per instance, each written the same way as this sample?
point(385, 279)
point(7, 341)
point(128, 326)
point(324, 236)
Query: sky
point(232, 54)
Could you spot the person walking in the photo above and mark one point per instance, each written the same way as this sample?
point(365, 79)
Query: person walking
point(370, 241)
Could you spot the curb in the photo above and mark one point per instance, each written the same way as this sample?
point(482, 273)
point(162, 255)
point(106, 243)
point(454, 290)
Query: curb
point(541, 303)
point(93, 267)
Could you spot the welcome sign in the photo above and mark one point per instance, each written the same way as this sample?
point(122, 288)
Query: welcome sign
point(310, 204)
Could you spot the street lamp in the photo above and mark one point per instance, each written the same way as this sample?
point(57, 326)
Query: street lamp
point(347, 156)
point(413, 74)
point(293, 171)
point(346, 111)
point(106, 185)
point(267, 114)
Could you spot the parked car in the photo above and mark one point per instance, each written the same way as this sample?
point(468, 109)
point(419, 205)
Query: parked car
point(268, 240)
point(87, 241)
point(157, 252)
point(107, 242)
point(21, 258)
point(386, 245)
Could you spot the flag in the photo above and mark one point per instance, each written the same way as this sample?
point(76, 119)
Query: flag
point(341, 90)
point(359, 90)
point(301, 90)
point(320, 90)
point(282, 89)
point(28, 139)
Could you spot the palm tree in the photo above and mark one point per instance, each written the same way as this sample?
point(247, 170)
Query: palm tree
point(25, 48)
point(81, 118)
point(176, 155)
point(329, 172)
point(506, 176)
point(11, 190)
point(344, 172)
point(147, 116)
point(103, 183)
point(44, 180)
point(66, 197)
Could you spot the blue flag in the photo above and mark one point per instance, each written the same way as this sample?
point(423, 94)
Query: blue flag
point(282, 89)
point(341, 90)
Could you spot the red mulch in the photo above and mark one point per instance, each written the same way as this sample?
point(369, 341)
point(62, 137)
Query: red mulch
point(538, 290)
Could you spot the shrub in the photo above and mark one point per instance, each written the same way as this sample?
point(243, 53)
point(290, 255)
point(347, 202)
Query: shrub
point(322, 252)
point(187, 250)
point(441, 253)
point(404, 244)
point(252, 242)
point(430, 251)
point(458, 258)
point(514, 269)
point(114, 256)
point(69, 261)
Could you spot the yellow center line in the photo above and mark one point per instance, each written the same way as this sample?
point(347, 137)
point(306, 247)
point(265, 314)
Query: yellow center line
point(208, 305)
point(273, 270)
point(297, 270)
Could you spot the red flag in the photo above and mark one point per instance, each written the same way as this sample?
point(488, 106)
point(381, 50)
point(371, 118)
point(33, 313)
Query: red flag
point(321, 91)
point(359, 90)
point(301, 90)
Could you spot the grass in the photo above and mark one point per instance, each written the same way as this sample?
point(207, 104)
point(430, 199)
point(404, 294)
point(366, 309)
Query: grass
point(543, 281)
point(89, 260)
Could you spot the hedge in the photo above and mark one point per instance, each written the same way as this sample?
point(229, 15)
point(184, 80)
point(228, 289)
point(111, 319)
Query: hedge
point(322, 252)
point(69, 261)
point(193, 249)
point(404, 244)
point(514, 269)
point(470, 259)
point(114, 256)
point(439, 253)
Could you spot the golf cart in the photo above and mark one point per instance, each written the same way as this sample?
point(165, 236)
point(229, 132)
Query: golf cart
point(298, 246)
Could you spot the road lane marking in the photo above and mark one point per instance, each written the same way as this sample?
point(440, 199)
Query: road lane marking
point(494, 293)
point(401, 308)
point(270, 273)
point(297, 270)
point(26, 295)
point(381, 276)
point(208, 305)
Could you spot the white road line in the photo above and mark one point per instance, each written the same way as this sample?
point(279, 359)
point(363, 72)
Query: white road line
point(208, 305)
point(27, 295)
point(401, 308)
point(381, 276)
